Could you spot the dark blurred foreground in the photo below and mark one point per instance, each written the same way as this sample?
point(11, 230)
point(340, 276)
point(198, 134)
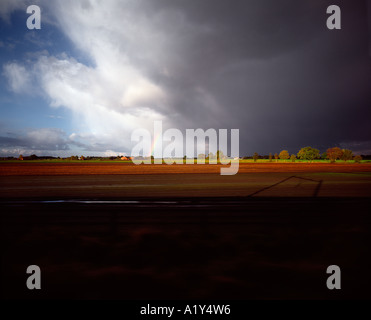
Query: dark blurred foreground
point(232, 248)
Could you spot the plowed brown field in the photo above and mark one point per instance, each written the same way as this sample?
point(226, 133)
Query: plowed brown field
point(85, 168)
point(26, 180)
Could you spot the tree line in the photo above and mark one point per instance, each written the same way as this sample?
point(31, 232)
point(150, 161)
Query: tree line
point(307, 154)
point(310, 154)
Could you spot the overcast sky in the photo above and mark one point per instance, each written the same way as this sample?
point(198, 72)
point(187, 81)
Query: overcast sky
point(97, 70)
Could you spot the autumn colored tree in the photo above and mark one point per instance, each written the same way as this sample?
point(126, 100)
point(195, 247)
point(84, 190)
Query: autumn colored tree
point(255, 156)
point(347, 155)
point(334, 153)
point(308, 153)
point(284, 155)
point(357, 159)
point(276, 157)
point(293, 158)
point(270, 157)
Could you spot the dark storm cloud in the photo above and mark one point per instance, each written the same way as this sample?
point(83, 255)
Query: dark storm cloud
point(8, 142)
point(46, 139)
point(272, 69)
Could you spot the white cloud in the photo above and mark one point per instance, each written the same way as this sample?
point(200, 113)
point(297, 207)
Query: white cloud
point(106, 107)
point(113, 97)
point(47, 138)
point(18, 78)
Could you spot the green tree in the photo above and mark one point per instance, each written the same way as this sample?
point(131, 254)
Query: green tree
point(308, 153)
point(324, 156)
point(284, 155)
point(255, 156)
point(334, 153)
point(347, 155)
point(293, 158)
point(357, 159)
